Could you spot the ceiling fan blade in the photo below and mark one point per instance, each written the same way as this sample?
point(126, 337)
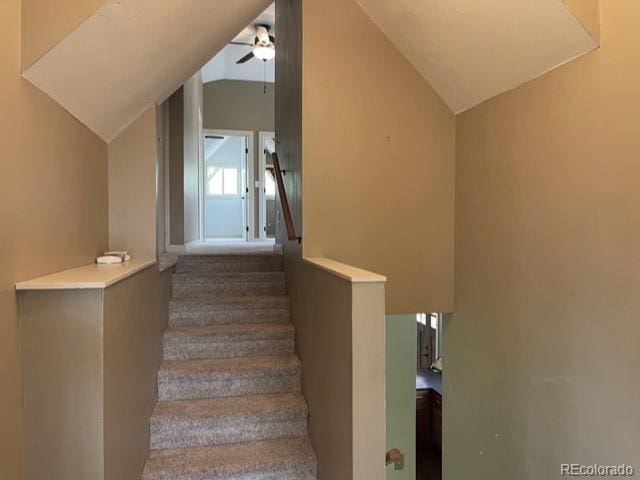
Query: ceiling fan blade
point(241, 43)
point(246, 58)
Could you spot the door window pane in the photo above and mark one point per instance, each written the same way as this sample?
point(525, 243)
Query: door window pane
point(223, 181)
point(231, 181)
point(215, 181)
point(270, 184)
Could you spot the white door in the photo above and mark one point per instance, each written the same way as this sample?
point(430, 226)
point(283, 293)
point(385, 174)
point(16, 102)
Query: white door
point(225, 186)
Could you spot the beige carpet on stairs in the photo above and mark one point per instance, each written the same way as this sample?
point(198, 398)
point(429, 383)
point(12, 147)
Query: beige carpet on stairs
point(230, 406)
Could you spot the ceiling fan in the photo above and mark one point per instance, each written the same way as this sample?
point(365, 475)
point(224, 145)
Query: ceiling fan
point(264, 47)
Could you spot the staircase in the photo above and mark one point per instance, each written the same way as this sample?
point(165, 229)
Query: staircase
point(229, 402)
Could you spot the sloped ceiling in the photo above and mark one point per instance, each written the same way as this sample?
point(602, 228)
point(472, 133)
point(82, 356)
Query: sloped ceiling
point(472, 50)
point(46, 22)
point(131, 53)
point(223, 65)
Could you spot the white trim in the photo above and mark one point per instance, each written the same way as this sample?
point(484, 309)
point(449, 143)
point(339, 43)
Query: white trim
point(250, 190)
point(166, 261)
point(175, 249)
point(183, 248)
point(262, 220)
point(201, 180)
point(90, 276)
point(344, 271)
point(200, 113)
point(248, 197)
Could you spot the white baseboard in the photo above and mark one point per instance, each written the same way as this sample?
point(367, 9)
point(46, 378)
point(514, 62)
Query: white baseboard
point(176, 249)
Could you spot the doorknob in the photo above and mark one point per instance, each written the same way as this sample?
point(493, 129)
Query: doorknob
point(396, 457)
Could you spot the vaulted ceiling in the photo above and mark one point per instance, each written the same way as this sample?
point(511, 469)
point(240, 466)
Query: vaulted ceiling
point(223, 65)
point(131, 53)
point(472, 50)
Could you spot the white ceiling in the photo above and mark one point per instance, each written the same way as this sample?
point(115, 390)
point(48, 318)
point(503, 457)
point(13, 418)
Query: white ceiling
point(132, 53)
point(223, 65)
point(267, 17)
point(472, 50)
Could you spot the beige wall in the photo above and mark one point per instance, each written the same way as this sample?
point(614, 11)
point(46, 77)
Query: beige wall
point(378, 159)
point(240, 105)
point(321, 313)
point(46, 22)
point(541, 356)
point(61, 347)
point(135, 318)
point(89, 363)
point(340, 332)
point(53, 209)
point(339, 326)
point(368, 367)
point(192, 152)
point(588, 14)
point(132, 188)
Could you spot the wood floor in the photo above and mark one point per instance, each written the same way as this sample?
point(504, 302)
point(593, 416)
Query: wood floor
point(428, 464)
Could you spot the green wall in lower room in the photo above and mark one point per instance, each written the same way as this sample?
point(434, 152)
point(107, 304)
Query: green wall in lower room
point(401, 351)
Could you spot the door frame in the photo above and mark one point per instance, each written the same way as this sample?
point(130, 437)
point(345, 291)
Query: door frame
point(249, 210)
point(262, 165)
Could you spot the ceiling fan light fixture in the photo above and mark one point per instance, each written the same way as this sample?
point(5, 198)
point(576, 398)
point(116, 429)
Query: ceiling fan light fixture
point(264, 53)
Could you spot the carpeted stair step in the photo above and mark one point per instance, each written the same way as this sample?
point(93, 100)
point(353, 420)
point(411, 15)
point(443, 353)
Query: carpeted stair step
point(254, 257)
point(190, 285)
point(219, 311)
point(197, 423)
point(282, 459)
point(224, 377)
point(270, 262)
point(225, 341)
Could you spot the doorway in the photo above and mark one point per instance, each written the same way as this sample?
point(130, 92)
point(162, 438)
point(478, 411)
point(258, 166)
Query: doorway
point(226, 174)
point(414, 397)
